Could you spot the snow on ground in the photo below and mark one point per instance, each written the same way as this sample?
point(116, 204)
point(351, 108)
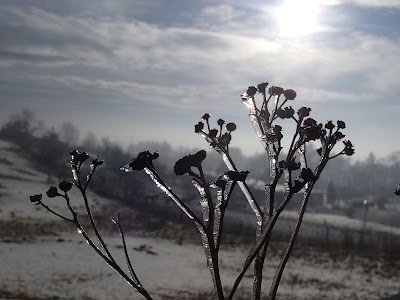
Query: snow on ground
point(342, 222)
point(41, 257)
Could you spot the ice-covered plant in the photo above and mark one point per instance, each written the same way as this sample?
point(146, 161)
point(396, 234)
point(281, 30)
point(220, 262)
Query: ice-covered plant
point(290, 166)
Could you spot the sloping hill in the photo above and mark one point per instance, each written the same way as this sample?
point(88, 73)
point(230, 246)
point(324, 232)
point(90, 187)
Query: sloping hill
point(43, 257)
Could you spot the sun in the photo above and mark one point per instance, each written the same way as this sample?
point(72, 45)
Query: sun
point(297, 17)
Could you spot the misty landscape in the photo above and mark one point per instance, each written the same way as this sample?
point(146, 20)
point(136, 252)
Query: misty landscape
point(127, 127)
point(342, 236)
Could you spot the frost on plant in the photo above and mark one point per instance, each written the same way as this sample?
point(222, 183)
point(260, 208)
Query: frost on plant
point(266, 108)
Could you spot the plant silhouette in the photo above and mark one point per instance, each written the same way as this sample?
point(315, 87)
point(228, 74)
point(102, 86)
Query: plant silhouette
point(266, 108)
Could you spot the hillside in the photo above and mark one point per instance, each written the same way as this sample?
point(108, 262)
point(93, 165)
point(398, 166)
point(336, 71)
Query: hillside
point(43, 257)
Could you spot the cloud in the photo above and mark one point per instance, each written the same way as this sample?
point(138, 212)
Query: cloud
point(222, 12)
point(130, 67)
point(371, 3)
point(188, 67)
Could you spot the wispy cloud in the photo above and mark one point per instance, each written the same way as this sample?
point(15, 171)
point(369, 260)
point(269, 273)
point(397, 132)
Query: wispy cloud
point(207, 63)
point(374, 3)
point(113, 50)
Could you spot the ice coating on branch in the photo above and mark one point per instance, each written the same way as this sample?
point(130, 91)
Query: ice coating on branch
point(207, 251)
point(272, 155)
point(203, 202)
point(75, 174)
point(228, 188)
point(249, 103)
point(286, 183)
point(245, 190)
point(267, 192)
point(302, 152)
point(276, 100)
point(259, 130)
point(167, 190)
point(217, 216)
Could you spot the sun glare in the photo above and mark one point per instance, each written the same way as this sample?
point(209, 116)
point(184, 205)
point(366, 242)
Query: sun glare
point(297, 17)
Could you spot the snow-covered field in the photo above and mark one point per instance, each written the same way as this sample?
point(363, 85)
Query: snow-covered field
point(42, 257)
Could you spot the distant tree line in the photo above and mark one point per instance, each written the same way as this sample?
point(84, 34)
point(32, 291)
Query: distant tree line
point(48, 148)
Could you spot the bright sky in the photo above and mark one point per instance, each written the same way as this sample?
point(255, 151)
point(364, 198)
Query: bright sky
point(138, 70)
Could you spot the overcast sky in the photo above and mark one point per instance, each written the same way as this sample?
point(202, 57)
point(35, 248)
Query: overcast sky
point(148, 70)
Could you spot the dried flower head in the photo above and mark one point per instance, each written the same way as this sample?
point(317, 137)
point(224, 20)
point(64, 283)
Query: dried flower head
point(304, 112)
point(261, 87)
point(36, 198)
point(52, 192)
point(78, 156)
point(341, 124)
point(185, 164)
point(198, 127)
point(275, 90)
point(206, 116)
point(251, 91)
point(142, 160)
point(230, 127)
point(289, 94)
point(65, 186)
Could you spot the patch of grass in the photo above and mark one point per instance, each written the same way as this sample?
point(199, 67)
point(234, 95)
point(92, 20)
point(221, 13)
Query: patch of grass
point(15, 231)
point(322, 285)
point(203, 295)
point(5, 294)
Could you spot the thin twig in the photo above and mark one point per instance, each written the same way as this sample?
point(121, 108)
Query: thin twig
point(53, 212)
point(128, 261)
point(96, 231)
point(110, 262)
